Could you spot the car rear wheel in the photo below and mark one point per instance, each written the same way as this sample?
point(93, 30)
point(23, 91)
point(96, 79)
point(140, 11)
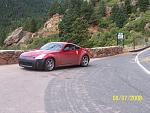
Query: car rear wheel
point(49, 64)
point(85, 61)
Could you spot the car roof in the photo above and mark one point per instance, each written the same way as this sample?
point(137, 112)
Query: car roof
point(65, 43)
point(60, 42)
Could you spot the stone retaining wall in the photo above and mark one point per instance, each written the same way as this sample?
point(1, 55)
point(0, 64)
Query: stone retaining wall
point(11, 56)
point(105, 51)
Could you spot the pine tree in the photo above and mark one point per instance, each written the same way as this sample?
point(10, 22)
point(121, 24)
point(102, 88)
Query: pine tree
point(76, 9)
point(65, 25)
point(87, 9)
point(128, 6)
point(114, 12)
point(119, 15)
point(143, 5)
point(33, 26)
point(79, 34)
point(102, 9)
point(94, 2)
point(30, 25)
point(3, 34)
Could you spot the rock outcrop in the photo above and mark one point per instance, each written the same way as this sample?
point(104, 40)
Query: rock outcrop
point(50, 27)
point(17, 37)
point(20, 37)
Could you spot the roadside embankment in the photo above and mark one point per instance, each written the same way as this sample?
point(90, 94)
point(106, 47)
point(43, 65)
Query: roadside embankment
point(11, 56)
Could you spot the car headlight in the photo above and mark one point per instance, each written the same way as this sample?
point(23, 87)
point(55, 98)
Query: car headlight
point(40, 56)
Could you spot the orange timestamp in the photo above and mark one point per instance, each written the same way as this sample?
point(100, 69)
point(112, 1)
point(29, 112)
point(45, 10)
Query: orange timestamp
point(127, 98)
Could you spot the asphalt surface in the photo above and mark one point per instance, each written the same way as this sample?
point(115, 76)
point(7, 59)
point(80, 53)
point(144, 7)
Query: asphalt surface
point(78, 89)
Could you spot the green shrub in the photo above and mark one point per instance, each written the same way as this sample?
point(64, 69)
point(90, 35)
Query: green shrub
point(12, 47)
point(137, 25)
point(103, 23)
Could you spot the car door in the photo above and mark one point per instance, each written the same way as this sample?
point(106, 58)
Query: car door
point(70, 55)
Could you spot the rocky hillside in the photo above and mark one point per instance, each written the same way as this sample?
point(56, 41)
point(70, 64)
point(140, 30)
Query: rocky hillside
point(20, 37)
point(16, 13)
point(89, 23)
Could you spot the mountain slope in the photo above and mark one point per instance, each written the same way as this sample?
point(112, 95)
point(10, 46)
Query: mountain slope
point(14, 13)
point(22, 8)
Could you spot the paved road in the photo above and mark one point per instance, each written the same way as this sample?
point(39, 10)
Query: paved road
point(76, 89)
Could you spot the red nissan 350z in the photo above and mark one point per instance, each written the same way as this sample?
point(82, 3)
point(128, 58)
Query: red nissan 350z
point(55, 54)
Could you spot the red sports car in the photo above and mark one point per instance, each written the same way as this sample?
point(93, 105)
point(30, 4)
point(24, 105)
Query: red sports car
point(55, 54)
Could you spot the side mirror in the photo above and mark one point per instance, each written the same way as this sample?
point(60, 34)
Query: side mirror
point(66, 49)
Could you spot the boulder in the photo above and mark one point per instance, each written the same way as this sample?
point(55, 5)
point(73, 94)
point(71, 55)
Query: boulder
point(17, 37)
point(25, 38)
point(50, 27)
point(14, 37)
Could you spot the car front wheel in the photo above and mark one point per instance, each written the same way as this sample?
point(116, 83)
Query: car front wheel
point(85, 61)
point(49, 64)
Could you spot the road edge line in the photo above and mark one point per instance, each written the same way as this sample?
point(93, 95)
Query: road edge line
point(138, 62)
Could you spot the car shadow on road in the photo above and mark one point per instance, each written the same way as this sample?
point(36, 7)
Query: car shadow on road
point(56, 69)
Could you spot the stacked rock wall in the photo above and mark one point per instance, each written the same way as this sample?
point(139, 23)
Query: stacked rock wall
point(11, 56)
point(105, 51)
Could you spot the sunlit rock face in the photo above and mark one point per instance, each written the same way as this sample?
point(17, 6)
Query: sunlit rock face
point(17, 37)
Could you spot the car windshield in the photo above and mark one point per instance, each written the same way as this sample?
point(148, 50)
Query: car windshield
point(52, 47)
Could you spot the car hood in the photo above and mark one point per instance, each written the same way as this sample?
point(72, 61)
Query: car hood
point(37, 53)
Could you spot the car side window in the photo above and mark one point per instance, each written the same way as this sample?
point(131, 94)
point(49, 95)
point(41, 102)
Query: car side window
point(70, 47)
point(77, 48)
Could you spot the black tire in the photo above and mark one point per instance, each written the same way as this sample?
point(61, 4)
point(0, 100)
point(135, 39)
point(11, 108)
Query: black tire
point(85, 61)
point(49, 64)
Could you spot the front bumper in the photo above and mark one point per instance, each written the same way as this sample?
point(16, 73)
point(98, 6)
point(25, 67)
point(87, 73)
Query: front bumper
point(31, 63)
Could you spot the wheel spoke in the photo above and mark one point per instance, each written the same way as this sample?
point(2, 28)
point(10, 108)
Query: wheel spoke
point(85, 60)
point(50, 64)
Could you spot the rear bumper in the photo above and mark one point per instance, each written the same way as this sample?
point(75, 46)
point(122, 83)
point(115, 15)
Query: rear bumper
point(32, 63)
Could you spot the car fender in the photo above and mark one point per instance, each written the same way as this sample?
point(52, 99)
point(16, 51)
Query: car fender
point(83, 52)
point(51, 56)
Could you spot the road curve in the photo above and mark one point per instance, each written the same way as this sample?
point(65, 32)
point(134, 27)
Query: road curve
point(77, 89)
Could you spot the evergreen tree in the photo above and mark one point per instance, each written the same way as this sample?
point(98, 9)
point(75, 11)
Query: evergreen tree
point(76, 9)
point(3, 34)
point(102, 9)
point(55, 7)
point(79, 34)
point(65, 25)
point(94, 2)
point(143, 5)
point(114, 12)
point(119, 16)
point(33, 26)
point(30, 25)
point(128, 6)
point(87, 9)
